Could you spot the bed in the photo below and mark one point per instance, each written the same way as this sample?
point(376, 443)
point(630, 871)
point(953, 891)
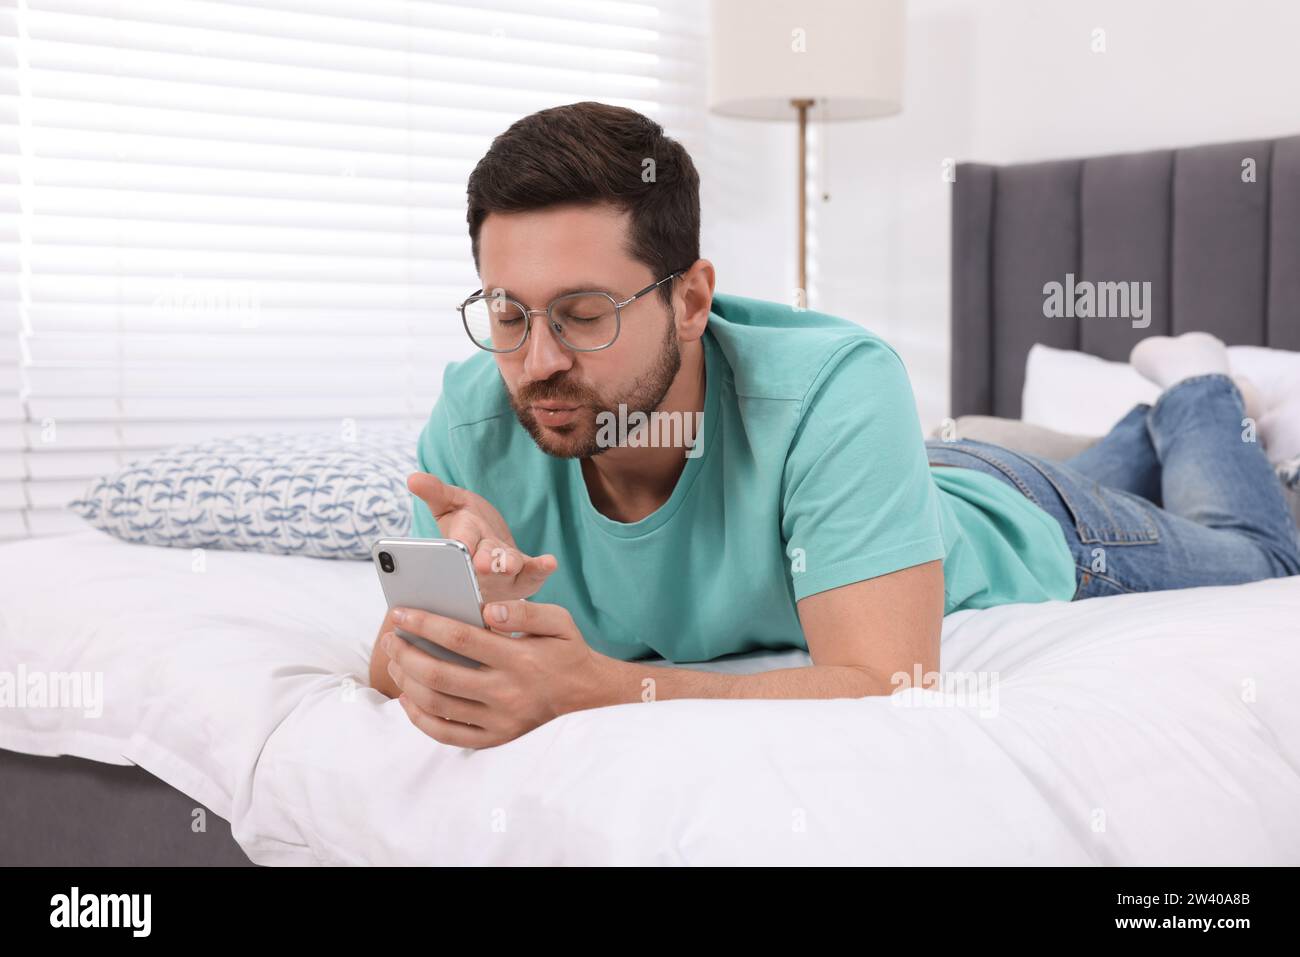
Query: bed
point(234, 724)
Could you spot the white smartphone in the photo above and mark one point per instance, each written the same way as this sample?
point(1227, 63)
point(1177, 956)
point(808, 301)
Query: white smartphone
point(431, 574)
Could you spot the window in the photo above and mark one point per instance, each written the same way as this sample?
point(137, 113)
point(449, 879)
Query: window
point(221, 217)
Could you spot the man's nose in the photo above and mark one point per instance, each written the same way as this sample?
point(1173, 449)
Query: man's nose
point(544, 354)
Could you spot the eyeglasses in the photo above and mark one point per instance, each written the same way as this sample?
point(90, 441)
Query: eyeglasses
point(583, 321)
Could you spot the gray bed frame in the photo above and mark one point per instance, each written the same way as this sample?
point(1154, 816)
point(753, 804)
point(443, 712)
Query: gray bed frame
point(1222, 255)
point(1214, 229)
point(70, 812)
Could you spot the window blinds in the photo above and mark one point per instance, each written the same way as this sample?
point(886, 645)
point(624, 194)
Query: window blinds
point(219, 217)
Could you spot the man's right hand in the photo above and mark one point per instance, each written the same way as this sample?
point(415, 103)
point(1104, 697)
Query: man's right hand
point(504, 572)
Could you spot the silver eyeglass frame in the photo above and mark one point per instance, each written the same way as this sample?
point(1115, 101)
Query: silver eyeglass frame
point(558, 327)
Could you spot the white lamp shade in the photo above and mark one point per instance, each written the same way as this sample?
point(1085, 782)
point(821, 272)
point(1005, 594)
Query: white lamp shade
point(846, 54)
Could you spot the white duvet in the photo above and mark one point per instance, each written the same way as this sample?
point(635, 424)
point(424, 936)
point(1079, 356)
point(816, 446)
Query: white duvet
point(1143, 729)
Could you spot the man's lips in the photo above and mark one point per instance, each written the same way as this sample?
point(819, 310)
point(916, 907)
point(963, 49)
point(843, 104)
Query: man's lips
point(550, 414)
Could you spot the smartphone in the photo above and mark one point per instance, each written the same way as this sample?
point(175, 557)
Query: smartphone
point(431, 574)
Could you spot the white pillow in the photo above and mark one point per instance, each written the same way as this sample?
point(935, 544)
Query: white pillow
point(1069, 391)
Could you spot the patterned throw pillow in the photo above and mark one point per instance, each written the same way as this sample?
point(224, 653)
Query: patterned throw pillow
point(284, 493)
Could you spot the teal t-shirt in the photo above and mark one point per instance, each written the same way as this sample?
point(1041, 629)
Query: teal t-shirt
point(812, 475)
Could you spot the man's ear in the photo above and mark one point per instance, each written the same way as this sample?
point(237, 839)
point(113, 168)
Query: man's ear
point(695, 287)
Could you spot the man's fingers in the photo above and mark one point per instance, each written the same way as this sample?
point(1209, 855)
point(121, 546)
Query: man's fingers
point(440, 703)
point(417, 667)
point(440, 496)
point(494, 557)
point(447, 505)
point(471, 641)
point(464, 530)
point(446, 732)
point(537, 570)
point(529, 617)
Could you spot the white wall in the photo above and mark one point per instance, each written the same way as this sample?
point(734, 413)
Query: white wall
point(994, 81)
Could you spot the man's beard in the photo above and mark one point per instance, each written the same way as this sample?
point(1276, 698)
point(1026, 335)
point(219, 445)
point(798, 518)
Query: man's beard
point(579, 439)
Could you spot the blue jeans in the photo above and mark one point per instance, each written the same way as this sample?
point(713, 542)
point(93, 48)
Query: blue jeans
point(1172, 497)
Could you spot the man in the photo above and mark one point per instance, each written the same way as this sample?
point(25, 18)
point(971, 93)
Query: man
point(802, 513)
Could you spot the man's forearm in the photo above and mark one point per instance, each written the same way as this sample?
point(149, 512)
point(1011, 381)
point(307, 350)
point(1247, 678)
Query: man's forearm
point(631, 681)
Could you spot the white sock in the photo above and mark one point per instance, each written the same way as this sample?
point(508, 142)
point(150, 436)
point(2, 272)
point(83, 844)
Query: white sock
point(1168, 360)
point(1250, 396)
point(1281, 424)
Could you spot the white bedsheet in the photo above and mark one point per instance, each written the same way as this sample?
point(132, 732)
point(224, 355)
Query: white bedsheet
point(1143, 729)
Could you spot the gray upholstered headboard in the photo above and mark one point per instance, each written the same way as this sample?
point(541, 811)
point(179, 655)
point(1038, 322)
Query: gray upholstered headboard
point(1222, 254)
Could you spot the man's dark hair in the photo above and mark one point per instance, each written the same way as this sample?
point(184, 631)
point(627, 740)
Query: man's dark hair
point(591, 153)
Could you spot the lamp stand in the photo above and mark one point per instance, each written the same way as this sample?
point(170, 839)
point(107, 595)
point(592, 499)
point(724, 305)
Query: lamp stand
point(802, 106)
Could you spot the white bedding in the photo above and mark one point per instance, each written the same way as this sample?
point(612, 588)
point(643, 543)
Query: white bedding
point(1142, 729)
